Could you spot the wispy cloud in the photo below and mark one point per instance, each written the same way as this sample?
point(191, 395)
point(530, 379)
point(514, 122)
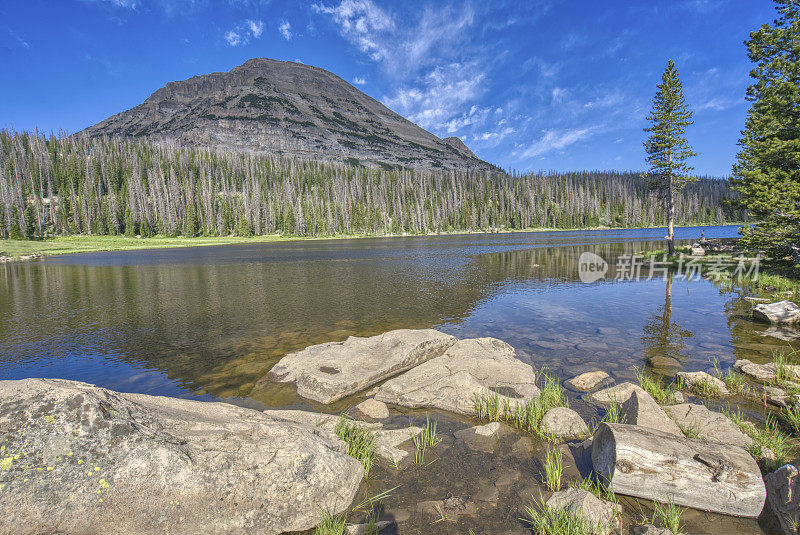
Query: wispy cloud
point(439, 99)
point(126, 4)
point(359, 80)
point(285, 29)
point(242, 33)
point(557, 140)
point(22, 42)
point(438, 75)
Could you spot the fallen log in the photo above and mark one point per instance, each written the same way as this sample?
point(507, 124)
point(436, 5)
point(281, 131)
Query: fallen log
point(647, 463)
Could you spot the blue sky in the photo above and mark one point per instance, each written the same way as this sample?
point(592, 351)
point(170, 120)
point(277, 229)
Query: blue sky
point(530, 85)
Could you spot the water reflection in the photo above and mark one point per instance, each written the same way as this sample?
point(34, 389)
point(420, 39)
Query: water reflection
point(211, 321)
point(663, 339)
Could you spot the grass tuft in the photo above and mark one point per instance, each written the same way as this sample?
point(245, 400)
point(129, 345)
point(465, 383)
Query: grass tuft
point(553, 468)
point(331, 525)
point(360, 441)
point(425, 440)
point(613, 413)
point(791, 416)
point(655, 387)
point(525, 415)
point(703, 388)
point(547, 521)
point(691, 431)
point(735, 382)
point(669, 515)
point(598, 489)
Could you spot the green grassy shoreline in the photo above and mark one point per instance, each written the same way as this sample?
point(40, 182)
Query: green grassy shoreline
point(87, 244)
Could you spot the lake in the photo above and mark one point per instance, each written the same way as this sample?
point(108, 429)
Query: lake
point(209, 322)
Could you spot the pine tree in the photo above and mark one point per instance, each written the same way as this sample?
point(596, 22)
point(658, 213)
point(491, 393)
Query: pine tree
point(767, 171)
point(667, 148)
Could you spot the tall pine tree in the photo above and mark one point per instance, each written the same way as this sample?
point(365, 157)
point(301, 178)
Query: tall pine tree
point(667, 148)
point(767, 171)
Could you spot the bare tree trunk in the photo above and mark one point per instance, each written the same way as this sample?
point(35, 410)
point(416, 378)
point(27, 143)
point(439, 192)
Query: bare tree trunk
point(671, 218)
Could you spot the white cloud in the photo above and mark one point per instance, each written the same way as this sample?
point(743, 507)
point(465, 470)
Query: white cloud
point(242, 33)
point(360, 22)
point(256, 27)
point(126, 4)
point(438, 100)
point(359, 80)
point(285, 29)
point(558, 94)
point(557, 140)
point(233, 38)
point(719, 104)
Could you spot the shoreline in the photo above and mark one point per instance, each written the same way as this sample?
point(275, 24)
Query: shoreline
point(21, 250)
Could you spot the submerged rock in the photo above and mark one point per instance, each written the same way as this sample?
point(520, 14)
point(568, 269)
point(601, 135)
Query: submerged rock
point(783, 312)
point(708, 425)
point(333, 370)
point(77, 458)
point(586, 382)
point(603, 515)
point(561, 422)
point(470, 368)
point(646, 463)
point(783, 497)
point(366, 529)
point(642, 410)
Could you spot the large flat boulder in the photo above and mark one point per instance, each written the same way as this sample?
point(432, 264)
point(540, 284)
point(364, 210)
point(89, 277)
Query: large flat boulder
point(77, 458)
point(708, 424)
point(759, 372)
point(781, 313)
point(647, 463)
point(331, 371)
point(472, 367)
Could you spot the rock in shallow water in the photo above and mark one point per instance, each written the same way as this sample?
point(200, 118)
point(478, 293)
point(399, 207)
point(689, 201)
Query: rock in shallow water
point(561, 422)
point(651, 464)
point(82, 459)
point(618, 393)
point(780, 313)
point(589, 381)
point(694, 379)
point(371, 409)
point(334, 370)
point(472, 367)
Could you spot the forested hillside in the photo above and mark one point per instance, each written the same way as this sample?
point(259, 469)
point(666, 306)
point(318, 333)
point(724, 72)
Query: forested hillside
point(78, 185)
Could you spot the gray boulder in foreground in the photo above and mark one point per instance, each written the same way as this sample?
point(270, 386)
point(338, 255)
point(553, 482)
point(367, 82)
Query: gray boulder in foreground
point(561, 422)
point(77, 458)
point(783, 312)
point(331, 371)
point(642, 410)
point(471, 367)
point(783, 497)
point(646, 463)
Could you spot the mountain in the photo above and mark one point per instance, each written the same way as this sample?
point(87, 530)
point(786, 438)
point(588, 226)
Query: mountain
point(287, 108)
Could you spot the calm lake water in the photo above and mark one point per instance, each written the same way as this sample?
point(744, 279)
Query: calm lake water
point(208, 322)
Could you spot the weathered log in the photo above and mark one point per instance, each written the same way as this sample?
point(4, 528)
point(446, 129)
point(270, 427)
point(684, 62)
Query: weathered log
point(646, 463)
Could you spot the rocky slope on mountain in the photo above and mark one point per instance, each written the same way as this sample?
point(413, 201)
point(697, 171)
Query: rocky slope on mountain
point(287, 108)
